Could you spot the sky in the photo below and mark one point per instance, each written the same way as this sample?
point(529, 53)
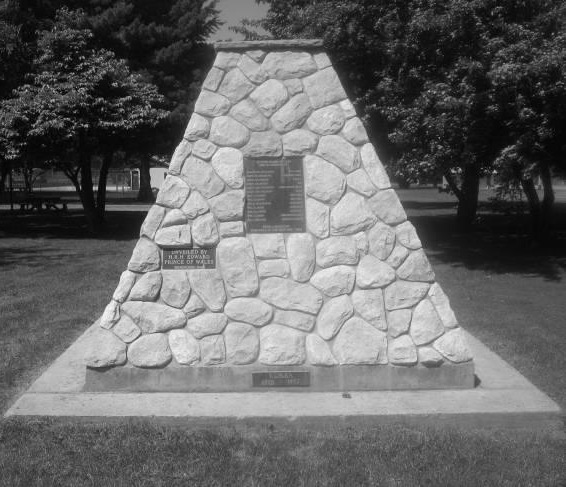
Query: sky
point(231, 12)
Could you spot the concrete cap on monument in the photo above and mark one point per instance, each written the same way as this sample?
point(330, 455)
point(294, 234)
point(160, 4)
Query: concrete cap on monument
point(277, 255)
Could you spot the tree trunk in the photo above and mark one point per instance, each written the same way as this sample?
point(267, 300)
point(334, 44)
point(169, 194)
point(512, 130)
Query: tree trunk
point(547, 205)
point(87, 194)
point(102, 182)
point(530, 191)
point(145, 193)
point(468, 196)
point(4, 169)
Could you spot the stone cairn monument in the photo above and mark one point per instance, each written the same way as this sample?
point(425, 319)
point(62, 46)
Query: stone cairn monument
point(277, 254)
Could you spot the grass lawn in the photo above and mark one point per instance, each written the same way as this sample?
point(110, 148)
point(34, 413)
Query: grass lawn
point(54, 282)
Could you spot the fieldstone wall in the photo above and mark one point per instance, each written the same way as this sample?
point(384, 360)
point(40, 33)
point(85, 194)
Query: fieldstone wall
point(357, 288)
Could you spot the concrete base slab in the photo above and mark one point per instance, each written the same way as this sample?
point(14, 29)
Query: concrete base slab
point(501, 398)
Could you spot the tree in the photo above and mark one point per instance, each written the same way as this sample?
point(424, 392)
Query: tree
point(420, 72)
point(81, 102)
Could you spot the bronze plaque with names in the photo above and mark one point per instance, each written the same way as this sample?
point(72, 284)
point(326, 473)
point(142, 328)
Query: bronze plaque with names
point(275, 195)
point(184, 258)
point(281, 379)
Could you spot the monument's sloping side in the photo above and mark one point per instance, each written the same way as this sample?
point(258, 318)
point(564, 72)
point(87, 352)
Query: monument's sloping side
point(277, 244)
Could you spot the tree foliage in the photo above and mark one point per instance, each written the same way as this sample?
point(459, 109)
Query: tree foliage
point(81, 101)
point(447, 87)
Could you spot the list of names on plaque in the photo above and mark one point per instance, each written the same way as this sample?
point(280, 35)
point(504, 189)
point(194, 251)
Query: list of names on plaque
point(275, 195)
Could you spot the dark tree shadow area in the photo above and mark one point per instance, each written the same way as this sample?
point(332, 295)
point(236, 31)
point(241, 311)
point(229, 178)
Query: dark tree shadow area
point(498, 242)
point(120, 225)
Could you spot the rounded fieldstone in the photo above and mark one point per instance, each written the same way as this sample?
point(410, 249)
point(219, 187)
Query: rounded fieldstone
point(184, 346)
point(373, 273)
point(290, 295)
point(351, 215)
point(299, 142)
point(263, 144)
point(126, 330)
point(301, 255)
point(368, 303)
point(201, 176)
point(212, 350)
point(150, 351)
point(288, 64)
point(336, 251)
point(173, 193)
point(104, 350)
point(204, 149)
point(195, 205)
point(429, 357)
point(416, 267)
point(362, 242)
point(207, 324)
point(318, 351)
point(293, 85)
point(176, 288)
point(173, 218)
point(127, 281)
point(252, 69)
point(374, 167)
point(268, 245)
point(147, 288)
point(197, 128)
point(212, 104)
point(229, 165)
point(249, 310)
point(407, 236)
point(110, 315)
point(324, 88)
point(327, 121)
point(442, 305)
point(273, 268)
point(194, 306)
point(242, 343)
point(402, 351)
point(154, 317)
point(355, 132)
point(270, 96)
point(335, 281)
point(235, 86)
point(294, 319)
point(387, 207)
point(226, 60)
point(209, 286)
point(145, 257)
point(292, 115)
point(381, 240)
point(347, 108)
point(404, 294)
point(452, 345)
point(323, 181)
point(359, 181)
point(334, 313)
point(177, 236)
point(213, 79)
point(205, 231)
point(425, 323)
point(152, 221)
point(318, 218)
point(322, 60)
point(228, 206)
point(398, 321)
point(231, 229)
point(397, 256)
point(226, 131)
point(182, 151)
point(339, 152)
point(248, 114)
point(281, 346)
point(360, 343)
point(237, 261)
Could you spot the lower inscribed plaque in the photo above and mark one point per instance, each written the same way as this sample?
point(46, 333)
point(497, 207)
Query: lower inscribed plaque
point(184, 258)
point(281, 379)
point(275, 199)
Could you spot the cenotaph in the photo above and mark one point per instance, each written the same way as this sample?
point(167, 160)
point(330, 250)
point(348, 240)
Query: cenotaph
point(277, 256)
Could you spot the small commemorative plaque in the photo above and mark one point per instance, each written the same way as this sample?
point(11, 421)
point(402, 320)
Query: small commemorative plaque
point(281, 379)
point(275, 195)
point(184, 258)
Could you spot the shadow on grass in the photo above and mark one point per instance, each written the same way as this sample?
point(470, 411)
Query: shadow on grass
point(120, 225)
point(497, 243)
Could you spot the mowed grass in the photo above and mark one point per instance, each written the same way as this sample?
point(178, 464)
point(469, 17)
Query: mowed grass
point(54, 282)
